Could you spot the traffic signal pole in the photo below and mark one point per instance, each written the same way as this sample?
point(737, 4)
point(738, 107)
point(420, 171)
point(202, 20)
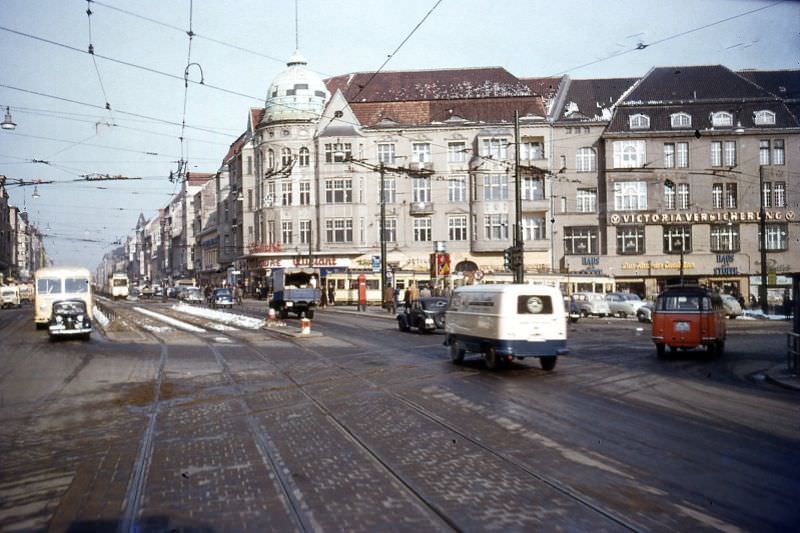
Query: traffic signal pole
point(517, 254)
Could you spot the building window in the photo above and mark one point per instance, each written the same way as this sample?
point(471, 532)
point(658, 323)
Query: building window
point(456, 152)
point(764, 118)
point(677, 239)
point(721, 119)
point(766, 194)
point(305, 232)
point(339, 230)
point(763, 152)
point(386, 154)
point(305, 157)
point(531, 150)
point(421, 152)
point(669, 155)
point(271, 158)
point(338, 152)
point(286, 193)
point(586, 200)
point(495, 187)
point(422, 229)
point(777, 237)
point(305, 193)
point(339, 191)
point(778, 152)
point(533, 228)
point(562, 162)
point(389, 230)
point(639, 122)
point(681, 120)
point(420, 190)
point(286, 157)
point(717, 196)
point(723, 153)
point(731, 196)
point(586, 160)
point(629, 154)
point(495, 227)
point(249, 164)
point(580, 240)
point(495, 148)
point(630, 196)
point(286, 232)
point(779, 194)
point(630, 240)
point(724, 238)
point(683, 154)
point(457, 228)
point(457, 189)
point(669, 195)
point(389, 190)
point(683, 196)
point(532, 188)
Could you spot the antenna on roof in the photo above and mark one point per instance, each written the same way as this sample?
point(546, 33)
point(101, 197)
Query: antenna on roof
point(296, 26)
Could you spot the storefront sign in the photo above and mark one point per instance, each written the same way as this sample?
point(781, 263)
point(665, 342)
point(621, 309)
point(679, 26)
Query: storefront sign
point(303, 261)
point(590, 261)
point(667, 265)
point(699, 218)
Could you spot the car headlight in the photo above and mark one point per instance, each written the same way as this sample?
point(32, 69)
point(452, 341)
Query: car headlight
point(289, 304)
point(79, 318)
point(428, 321)
point(59, 319)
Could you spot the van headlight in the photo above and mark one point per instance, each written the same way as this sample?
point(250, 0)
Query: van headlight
point(42, 307)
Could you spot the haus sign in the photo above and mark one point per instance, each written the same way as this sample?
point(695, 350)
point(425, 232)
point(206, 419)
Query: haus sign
point(699, 218)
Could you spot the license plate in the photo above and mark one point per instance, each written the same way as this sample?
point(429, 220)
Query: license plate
point(681, 327)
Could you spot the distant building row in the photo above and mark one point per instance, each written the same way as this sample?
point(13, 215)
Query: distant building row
point(22, 250)
point(624, 178)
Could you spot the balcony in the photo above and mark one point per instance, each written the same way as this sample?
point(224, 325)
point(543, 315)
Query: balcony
point(418, 209)
point(420, 166)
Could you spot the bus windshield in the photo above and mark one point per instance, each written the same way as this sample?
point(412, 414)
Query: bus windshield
point(76, 285)
point(48, 286)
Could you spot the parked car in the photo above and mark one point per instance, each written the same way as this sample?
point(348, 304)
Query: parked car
point(191, 295)
point(731, 306)
point(573, 311)
point(222, 298)
point(146, 292)
point(424, 314)
point(645, 312)
point(158, 292)
point(623, 304)
point(591, 303)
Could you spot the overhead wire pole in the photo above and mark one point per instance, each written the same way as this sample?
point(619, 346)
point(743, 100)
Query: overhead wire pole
point(762, 241)
point(382, 171)
point(517, 255)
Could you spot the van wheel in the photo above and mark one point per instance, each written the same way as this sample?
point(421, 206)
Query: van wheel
point(660, 351)
point(720, 348)
point(456, 353)
point(548, 363)
point(491, 357)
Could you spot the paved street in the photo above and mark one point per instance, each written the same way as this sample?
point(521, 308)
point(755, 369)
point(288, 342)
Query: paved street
point(364, 428)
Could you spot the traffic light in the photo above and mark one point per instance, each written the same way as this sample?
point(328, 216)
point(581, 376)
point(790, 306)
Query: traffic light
point(508, 258)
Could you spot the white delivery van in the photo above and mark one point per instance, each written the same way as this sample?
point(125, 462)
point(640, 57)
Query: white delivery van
point(504, 322)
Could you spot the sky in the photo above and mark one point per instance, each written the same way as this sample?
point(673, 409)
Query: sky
point(57, 92)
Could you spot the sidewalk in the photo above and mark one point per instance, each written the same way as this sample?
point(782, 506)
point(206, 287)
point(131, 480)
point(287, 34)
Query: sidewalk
point(373, 311)
point(779, 375)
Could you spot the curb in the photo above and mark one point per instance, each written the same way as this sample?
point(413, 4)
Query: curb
point(775, 375)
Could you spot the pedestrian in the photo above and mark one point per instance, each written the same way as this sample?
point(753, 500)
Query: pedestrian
point(425, 291)
point(332, 293)
point(412, 293)
point(388, 299)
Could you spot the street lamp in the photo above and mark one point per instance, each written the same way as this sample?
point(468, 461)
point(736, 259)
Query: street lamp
point(762, 228)
point(7, 123)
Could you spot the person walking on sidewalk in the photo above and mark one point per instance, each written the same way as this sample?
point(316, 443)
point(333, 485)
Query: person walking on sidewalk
point(388, 298)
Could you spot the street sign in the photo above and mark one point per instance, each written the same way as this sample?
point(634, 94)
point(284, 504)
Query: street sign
point(376, 263)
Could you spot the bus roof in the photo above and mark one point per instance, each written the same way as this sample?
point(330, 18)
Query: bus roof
point(62, 272)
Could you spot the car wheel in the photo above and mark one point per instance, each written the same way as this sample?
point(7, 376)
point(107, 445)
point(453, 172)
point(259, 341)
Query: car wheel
point(456, 353)
point(584, 313)
point(309, 314)
point(491, 358)
point(402, 324)
point(548, 363)
point(439, 321)
point(573, 319)
point(660, 350)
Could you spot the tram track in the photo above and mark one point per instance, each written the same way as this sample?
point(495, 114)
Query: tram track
point(353, 434)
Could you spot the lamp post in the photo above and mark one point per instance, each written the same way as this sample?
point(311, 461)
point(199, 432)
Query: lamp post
point(382, 173)
point(7, 123)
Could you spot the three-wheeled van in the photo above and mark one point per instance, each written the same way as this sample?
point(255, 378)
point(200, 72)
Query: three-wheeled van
point(504, 322)
point(686, 317)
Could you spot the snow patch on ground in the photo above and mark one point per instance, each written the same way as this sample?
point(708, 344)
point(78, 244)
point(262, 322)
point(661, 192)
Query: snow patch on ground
point(169, 320)
point(232, 319)
point(100, 317)
point(157, 329)
point(758, 314)
point(220, 327)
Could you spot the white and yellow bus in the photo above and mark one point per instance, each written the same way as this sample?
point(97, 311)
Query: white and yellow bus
point(56, 284)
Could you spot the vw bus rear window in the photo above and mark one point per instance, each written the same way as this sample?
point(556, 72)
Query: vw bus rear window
point(534, 304)
point(683, 303)
point(76, 285)
point(48, 286)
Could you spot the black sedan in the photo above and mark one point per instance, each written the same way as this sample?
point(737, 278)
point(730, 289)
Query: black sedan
point(425, 314)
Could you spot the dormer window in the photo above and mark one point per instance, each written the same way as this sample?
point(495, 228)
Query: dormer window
point(721, 119)
point(764, 118)
point(681, 120)
point(639, 122)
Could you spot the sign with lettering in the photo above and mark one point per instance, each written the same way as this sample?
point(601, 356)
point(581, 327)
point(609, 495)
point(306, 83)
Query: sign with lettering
point(666, 265)
point(699, 218)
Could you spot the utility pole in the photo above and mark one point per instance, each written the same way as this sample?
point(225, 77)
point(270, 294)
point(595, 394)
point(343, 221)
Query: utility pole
point(518, 255)
point(762, 230)
point(382, 172)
